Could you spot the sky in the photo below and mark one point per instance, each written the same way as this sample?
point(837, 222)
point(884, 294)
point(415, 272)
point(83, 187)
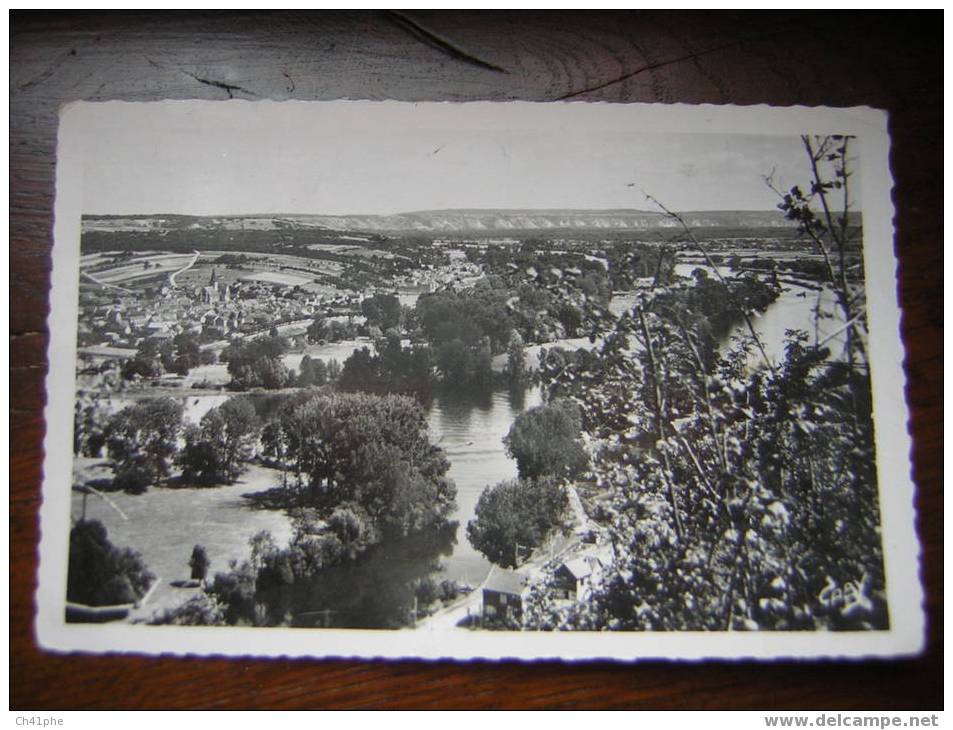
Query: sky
point(338, 158)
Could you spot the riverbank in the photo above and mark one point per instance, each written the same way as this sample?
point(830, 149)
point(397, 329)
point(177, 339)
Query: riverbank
point(564, 545)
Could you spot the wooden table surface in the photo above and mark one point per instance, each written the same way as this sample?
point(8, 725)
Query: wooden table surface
point(890, 61)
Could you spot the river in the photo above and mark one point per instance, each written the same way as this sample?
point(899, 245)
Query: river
point(793, 309)
point(471, 430)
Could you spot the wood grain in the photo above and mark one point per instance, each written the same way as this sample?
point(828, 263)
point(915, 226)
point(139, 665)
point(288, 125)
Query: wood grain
point(885, 60)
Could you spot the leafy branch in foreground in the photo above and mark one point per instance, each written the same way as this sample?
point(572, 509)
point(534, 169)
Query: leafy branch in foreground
point(831, 232)
point(735, 497)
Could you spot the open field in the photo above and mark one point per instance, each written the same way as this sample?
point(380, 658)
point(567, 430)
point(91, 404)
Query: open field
point(137, 267)
point(282, 270)
point(351, 250)
point(279, 277)
point(339, 248)
point(200, 274)
point(165, 523)
point(277, 260)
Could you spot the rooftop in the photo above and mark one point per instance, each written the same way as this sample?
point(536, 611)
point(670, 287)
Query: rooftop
point(580, 567)
point(502, 580)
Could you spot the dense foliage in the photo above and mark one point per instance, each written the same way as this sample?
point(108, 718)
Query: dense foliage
point(392, 368)
point(468, 316)
point(631, 262)
point(371, 452)
point(319, 329)
point(550, 294)
point(257, 363)
point(201, 609)
point(100, 574)
point(364, 471)
point(89, 423)
point(740, 493)
point(382, 311)
point(516, 371)
point(608, 381)
point(177, 355)
point(513, 517)
point(323, 578)
point(312, 371)
point(216, 451)
point(545, 441)
point(141, 440)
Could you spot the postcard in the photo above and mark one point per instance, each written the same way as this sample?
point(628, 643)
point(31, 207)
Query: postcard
point(476, 380)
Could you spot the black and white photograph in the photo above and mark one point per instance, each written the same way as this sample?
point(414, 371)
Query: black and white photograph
point(476, 380)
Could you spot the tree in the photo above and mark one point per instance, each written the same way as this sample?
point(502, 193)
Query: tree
point(370, 451)
point(382, 310)
point(147, 362)
point(89, 423)
point(338, 331)
point(360, 369)
point(199, 563)
point(199, 459)
point(469, 316)
point(142, 438)
point(100, 574)
point(312, 372)
point(217, 450)
point(516, 371)
point(570, 317)
point(520, 512)
point(257, 363)
point(349, 523)
point(155, 356)
point(140, 367)
point(545, 441)
point(453, 361)
point(837, 240)
point(187, 354)
point(392, 368)
point(318, 329)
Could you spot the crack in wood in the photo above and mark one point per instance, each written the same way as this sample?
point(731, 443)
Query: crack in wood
point(433, 40)
point(648, 67)
point(44, 75)
point(226, 87)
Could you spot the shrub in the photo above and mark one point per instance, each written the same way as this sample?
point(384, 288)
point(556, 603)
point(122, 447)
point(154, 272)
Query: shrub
point(132, 478)
point(200, 610)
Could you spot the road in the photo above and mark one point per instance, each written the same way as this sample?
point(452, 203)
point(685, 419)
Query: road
point(184, 268)
point(95, 279)
point(92, 278)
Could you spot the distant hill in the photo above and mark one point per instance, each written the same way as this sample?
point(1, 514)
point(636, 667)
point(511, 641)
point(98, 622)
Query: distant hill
point(451, 220)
